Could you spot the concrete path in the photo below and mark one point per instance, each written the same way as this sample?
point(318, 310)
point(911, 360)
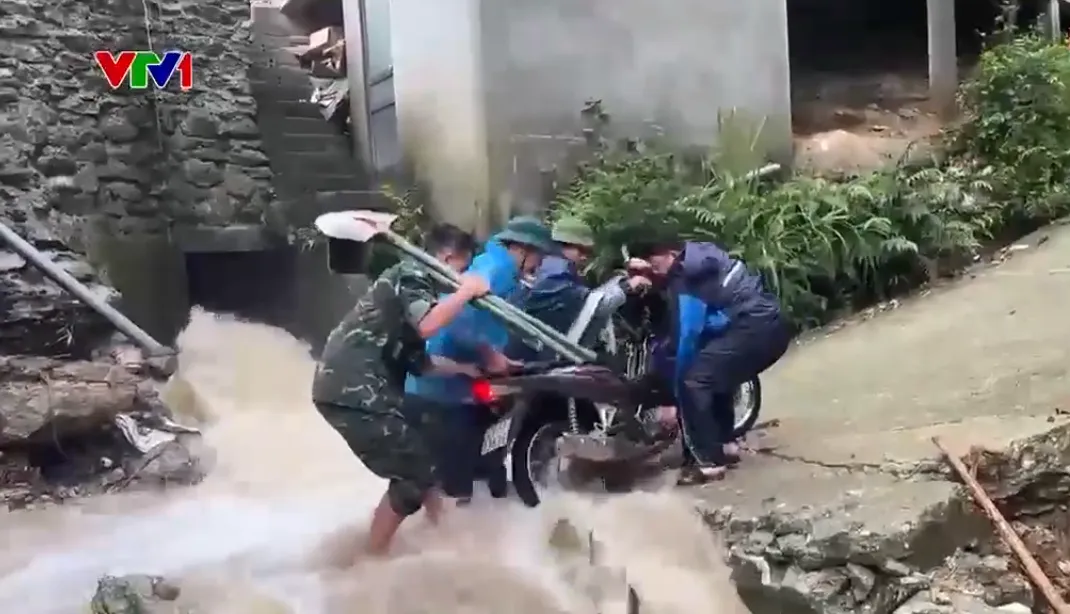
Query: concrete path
point(980, 361)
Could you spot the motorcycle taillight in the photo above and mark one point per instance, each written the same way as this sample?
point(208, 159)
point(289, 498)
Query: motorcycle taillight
point(483, 393)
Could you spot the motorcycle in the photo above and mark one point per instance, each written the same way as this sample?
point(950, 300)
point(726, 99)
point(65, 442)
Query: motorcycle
point(594, 408)
point(603, 414)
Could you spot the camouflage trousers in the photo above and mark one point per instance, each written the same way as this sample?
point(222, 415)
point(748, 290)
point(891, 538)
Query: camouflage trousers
point(391, 447)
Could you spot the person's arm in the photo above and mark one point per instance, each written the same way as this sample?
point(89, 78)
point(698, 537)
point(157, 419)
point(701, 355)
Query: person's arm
point(440, 365)
point(441, 313)
point(496, 362)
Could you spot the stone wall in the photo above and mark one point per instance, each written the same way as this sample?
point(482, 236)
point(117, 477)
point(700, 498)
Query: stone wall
point(78, 160)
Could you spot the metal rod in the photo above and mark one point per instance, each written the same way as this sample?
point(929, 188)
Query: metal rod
point(490, 304)
point(498, 306)
point(1007, 533)
point(70, 284)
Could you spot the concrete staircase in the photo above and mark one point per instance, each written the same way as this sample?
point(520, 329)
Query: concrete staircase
point(314, 170)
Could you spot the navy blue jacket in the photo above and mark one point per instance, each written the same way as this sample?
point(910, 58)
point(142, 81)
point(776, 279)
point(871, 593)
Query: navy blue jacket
point(709, 289)
point(557, 293)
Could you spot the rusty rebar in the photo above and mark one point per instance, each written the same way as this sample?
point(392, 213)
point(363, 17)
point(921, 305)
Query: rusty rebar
point(1007, 533)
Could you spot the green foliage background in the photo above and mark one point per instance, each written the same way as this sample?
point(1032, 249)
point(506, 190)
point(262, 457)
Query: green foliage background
point(829, 246)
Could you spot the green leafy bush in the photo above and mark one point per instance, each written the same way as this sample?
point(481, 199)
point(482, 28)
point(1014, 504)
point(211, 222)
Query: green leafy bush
point(1016, 123)
point(823, 246)
point(827, 246)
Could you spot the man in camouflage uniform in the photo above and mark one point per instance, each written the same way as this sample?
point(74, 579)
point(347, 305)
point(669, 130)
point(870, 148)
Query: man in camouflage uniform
point(359, 380)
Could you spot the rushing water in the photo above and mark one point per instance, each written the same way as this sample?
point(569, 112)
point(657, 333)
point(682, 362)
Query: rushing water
point(274, 529)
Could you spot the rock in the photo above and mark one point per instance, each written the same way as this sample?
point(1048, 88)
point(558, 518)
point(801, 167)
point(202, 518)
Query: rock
point(179, 462)
point(1032, 476)
point(38, 317)
point(135, 594)
point(960, 604)
point(948, 560)
point(43, 399)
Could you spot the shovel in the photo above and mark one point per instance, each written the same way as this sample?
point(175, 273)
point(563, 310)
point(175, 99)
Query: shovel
point(365, 226)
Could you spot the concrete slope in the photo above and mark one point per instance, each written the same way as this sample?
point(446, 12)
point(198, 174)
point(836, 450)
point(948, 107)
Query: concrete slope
point(843, 494)
point(980, 361)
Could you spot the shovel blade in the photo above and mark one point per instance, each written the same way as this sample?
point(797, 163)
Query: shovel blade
point(360, 226)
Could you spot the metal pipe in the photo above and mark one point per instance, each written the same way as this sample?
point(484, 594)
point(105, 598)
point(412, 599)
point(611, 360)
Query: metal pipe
point(78, 289)
point(493, 305)
point(499, 307)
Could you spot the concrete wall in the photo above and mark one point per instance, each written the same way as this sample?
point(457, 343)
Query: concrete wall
point(440, 97)
point(489, 92)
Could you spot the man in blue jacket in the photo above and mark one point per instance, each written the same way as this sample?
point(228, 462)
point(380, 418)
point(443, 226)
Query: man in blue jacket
point(727, 329)
point(477, 337)
point(558, 292)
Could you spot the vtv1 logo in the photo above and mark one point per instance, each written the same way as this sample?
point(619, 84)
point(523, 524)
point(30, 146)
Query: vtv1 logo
point(137, 68)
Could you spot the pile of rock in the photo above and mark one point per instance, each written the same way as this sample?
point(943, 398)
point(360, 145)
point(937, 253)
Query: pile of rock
point(135, 594)
point(948, 560)
point(75, 427)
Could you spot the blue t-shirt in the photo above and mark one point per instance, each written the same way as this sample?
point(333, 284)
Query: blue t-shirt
point(461, 339)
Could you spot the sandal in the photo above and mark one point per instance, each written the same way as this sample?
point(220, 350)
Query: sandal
point(701, 474)
point(732, 454)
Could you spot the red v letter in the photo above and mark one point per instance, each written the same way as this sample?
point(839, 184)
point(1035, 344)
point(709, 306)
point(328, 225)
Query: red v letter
point(115, 67)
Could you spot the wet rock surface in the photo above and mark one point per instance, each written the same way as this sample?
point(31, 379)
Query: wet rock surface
point(947, 558)
point(135, 594)
point(44, 399)
point(59, 433)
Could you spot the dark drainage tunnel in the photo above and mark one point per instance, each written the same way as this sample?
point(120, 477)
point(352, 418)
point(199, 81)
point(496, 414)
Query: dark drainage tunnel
point(257, 286)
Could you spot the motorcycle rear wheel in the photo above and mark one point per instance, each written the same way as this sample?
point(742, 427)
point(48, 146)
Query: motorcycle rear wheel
point(748, 404)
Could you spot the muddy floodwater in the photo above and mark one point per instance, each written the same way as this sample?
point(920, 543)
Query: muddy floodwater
point(273, 530)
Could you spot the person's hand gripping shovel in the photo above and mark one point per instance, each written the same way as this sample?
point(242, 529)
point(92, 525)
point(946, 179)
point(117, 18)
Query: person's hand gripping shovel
point(350, 234)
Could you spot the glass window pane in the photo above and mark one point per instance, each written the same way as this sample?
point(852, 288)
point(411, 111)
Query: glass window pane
point(377, 26)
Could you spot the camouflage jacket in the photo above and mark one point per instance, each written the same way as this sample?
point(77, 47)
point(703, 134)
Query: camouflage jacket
point(355, 368)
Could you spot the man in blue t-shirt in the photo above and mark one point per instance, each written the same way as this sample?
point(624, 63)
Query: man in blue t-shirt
point(476, 336)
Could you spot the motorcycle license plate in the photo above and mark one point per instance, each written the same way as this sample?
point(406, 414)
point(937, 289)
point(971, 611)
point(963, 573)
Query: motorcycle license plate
point(496, 436)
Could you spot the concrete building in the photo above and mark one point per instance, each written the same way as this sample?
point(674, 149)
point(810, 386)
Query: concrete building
point(480, 100)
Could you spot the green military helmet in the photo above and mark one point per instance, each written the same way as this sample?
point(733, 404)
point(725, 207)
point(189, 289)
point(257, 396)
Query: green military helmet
point(573, 231)
point(530, 231)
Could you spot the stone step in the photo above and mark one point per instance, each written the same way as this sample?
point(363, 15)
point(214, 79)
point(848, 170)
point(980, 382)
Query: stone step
point(345, 200)
point(335, 161)
point(284, 50)
point(296, 181)
point(277, 59)
point(335, 144)
point(289, 109)
point(270, 19)
point(278, 88)
point(292, 126)
point(289, 77)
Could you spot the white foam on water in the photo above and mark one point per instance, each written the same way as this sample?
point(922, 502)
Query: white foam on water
point(275, 527)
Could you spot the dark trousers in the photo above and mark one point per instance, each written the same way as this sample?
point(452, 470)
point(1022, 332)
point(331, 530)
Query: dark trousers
point(722, 364)
point(458, 443)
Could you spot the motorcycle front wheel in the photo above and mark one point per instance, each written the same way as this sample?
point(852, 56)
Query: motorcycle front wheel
point(534, 459)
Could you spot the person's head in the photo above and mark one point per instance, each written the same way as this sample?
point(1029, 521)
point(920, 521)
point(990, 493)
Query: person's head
point(661, 255)
point(527, 239)
point(451, 245)
point(574, 239)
